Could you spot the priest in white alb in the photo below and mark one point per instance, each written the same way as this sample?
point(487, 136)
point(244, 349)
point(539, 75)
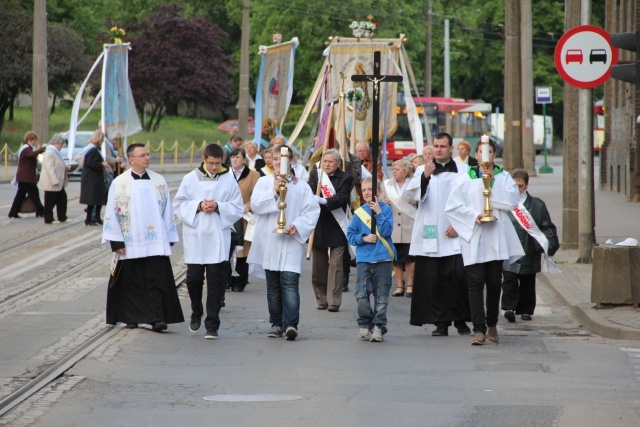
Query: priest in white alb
point(140, 228)
point(441, 295)
point(280, 254)
point(208, 203)
point(485, 245)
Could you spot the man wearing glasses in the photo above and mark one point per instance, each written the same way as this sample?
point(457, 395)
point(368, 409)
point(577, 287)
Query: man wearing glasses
point(140, 228)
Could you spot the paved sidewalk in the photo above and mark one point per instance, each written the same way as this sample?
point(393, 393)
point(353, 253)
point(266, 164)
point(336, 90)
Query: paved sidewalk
point(616, 219)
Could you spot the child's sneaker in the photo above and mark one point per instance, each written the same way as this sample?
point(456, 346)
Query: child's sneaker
point(376, 335)
point(364, 334)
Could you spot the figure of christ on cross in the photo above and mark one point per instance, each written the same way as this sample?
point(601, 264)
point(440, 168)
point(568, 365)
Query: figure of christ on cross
point(376, 78)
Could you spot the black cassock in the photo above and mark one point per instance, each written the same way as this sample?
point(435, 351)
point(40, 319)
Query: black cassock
point(143, 290)
point(440, 290)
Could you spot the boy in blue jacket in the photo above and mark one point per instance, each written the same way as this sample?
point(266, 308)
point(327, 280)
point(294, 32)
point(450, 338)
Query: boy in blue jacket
point(375, 254)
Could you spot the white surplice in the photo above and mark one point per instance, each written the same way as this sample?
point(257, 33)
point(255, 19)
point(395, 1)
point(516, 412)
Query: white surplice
point(430, 223)
point(207, 236)
point(275, 251)
point(489, 241)
point(139, 214)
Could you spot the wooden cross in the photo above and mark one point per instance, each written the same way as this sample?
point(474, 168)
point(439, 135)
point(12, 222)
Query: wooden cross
point(376, 78)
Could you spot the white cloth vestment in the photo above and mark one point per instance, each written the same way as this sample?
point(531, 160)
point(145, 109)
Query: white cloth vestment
point(207, 236)
point(275, 251)
point(139, 214)
point(489, 241)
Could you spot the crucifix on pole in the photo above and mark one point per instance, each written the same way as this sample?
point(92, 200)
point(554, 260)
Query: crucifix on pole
point(376, 78)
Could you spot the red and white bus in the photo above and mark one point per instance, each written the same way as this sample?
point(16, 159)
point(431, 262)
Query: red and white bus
point(463, 120)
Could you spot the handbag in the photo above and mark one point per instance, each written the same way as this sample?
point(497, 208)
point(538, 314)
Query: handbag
point(27, 206)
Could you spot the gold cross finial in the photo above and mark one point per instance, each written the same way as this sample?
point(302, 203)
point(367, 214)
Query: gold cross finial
point(370, 17)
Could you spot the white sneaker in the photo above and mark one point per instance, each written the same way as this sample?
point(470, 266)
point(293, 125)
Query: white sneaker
point(55, 222)
point(364, 334)
point(376, 335)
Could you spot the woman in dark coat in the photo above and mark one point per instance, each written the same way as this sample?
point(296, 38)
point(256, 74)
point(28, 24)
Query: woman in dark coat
point(93, 191)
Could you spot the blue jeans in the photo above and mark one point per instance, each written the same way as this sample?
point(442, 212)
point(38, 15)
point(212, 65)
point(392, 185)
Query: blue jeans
point(283, 298)
point(373, 278)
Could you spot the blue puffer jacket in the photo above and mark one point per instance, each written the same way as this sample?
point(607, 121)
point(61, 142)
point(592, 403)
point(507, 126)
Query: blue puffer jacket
point(368, 252)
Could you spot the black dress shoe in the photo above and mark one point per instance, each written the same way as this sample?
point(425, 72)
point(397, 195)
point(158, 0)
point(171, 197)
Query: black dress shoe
point(131, 325)
point(525, 317)
point(15, 216)
point(345, 289)
point(462, 328)
point(398, 293)
point(510, 316)
point(91, 223)
point(334, 308)
point(441, 331)
point(98, 221)
point(158, 326)
point(237, 288)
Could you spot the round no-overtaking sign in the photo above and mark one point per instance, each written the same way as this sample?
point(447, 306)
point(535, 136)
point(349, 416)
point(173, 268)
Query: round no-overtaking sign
point(584, 56)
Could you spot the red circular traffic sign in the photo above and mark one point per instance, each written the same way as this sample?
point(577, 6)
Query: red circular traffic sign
point(584, 56)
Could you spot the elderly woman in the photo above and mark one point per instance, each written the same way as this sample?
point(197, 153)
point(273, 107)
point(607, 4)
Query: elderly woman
point(416, 160)
point(268, 160)
point(53, 180)
point(428, 153)
point(464, 148)
point(254, 159)
point(26, 176)
point(93, 191)
point(404, 211)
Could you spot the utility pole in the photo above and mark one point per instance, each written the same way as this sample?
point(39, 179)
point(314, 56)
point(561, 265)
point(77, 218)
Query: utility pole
point(243, 104)
point(447, 73)
point(39, 84)
point(526, 52)
point(570, 146)
point(585, 157)
point(427, 54)
point(512, 92)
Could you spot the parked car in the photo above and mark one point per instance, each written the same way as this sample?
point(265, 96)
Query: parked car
point(81, 141)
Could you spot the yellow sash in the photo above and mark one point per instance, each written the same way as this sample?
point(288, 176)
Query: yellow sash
point(366, 218)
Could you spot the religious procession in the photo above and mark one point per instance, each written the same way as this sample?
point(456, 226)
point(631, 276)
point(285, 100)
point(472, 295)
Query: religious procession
point(460, 236)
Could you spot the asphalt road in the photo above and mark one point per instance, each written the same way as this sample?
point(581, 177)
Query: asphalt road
point(546, 372)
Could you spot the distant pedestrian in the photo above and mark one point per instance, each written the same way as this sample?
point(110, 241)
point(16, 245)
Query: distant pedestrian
point(53, 180)
point(234, 142)
point(538, 236)
point(375, 254)
point(93, 191)
point(254, 159)
point(26, 175)
point(464, 148)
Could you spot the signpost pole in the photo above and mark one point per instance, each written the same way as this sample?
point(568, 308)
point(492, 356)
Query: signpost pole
point(545, 168)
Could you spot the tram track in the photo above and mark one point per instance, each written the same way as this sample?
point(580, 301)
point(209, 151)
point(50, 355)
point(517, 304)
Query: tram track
point(64, 364)
point(40, 237)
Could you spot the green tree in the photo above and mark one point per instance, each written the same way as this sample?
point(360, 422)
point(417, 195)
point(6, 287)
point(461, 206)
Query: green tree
point(177, 59)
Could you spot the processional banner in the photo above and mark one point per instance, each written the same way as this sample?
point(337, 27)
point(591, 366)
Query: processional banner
point(351, 56)
point(119, 116)
point(275, 84)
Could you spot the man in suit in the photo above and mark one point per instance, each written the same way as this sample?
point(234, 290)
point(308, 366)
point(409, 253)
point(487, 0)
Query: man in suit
point(330, 241)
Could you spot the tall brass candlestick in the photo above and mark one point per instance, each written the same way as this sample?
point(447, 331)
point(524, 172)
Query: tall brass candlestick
point(284, 171)
point(282, 220)
point(486, 180)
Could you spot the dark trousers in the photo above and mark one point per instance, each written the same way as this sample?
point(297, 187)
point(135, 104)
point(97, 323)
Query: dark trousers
point(26, 189)
point(57, 199)
point(93, 211)
point(489, 273)
point(346, 267)
point(242, 268)
point(216, 278)
point(519, 292)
